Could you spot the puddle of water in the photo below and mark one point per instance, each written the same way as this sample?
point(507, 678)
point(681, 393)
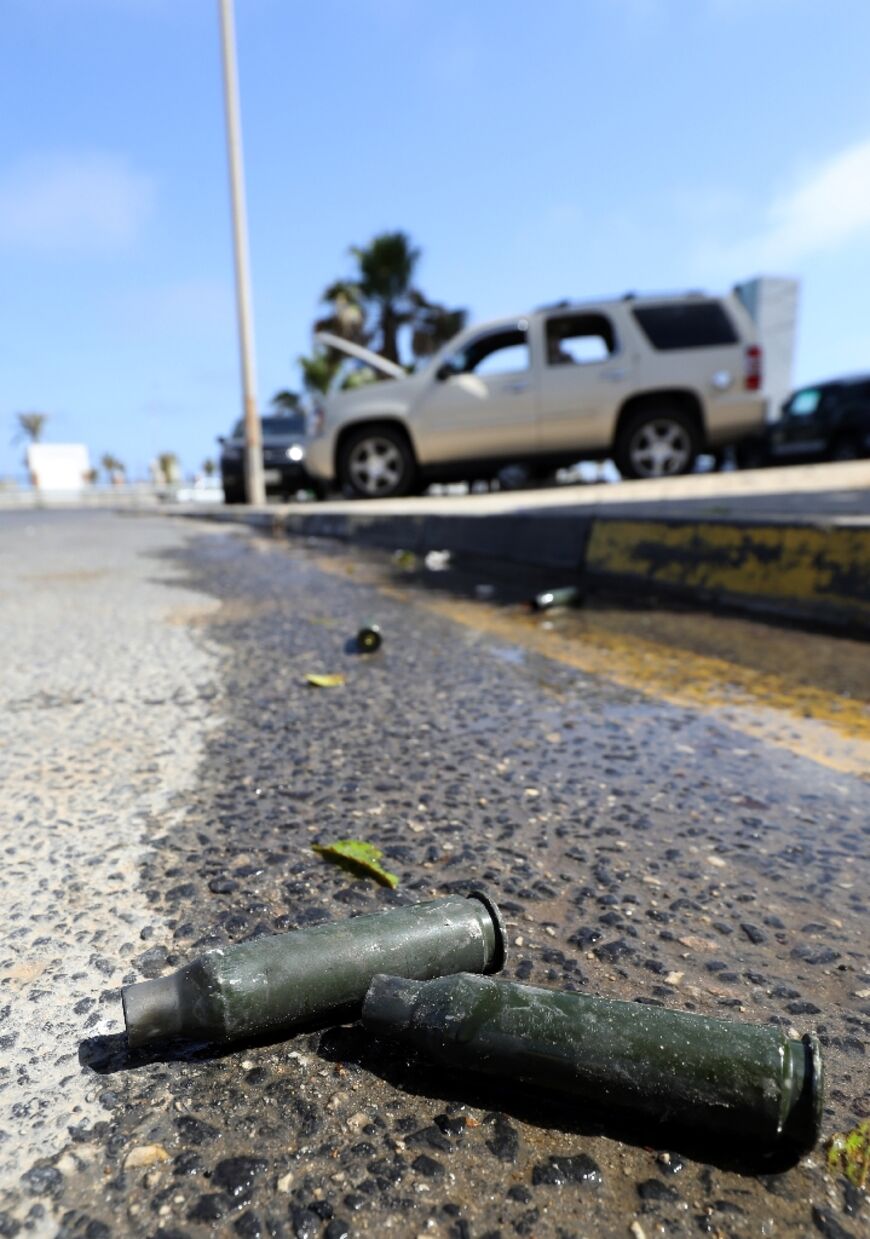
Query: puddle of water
point(804, 692)
point(826, 727)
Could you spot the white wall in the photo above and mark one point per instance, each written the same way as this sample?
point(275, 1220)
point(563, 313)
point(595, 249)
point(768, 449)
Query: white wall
point(773, 303)
point(58, 466)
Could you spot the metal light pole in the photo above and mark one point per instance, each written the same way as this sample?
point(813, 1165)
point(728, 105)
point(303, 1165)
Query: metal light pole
point(255, 491)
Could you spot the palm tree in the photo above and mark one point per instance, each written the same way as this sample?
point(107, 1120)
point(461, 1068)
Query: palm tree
point(433, 326)
point(386, 273)
point(31, 426)
point(380, 299)
point(113, 468)
point(318, 371)
point(167, 464)
point(208, 468)
point(285, 401)
point(347, 315)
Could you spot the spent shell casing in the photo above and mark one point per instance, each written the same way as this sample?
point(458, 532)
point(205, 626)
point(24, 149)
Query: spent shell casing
point(569, 596)
point(369, 638)
point(738, 1079)
point(273, 984)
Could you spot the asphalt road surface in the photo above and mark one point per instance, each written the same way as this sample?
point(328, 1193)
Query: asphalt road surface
point(667, 809)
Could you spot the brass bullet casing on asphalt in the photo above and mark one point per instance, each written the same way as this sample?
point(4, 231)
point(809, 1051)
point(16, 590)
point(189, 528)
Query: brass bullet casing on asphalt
point(271, 985)
point(570, 596)
point(368, 638)
point(735, 1079)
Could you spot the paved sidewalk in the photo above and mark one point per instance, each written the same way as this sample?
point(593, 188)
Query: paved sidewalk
point(105, 702)
point(824, 491)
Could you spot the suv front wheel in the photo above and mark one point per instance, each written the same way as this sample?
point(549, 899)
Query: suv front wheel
point(376, 462)
point(657, 443)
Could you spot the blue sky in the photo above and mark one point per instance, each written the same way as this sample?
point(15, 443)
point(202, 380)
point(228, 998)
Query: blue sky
point(571, 148)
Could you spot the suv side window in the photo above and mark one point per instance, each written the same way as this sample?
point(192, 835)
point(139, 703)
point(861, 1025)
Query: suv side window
point(578, 339)
point(498, 352)
point(687, 324)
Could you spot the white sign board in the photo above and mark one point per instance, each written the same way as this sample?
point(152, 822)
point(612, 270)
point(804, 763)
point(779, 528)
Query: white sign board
point(58, 466)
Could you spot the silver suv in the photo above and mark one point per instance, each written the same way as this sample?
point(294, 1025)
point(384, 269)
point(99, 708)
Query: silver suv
point(648, 381)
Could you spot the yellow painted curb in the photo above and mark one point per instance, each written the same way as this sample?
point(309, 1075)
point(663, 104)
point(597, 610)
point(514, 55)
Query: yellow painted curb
point(815, 570)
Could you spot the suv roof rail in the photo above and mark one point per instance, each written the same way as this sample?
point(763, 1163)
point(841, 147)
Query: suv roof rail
point(689, 292)
point(568, 302)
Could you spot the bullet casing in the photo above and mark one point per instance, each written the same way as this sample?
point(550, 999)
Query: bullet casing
point(568, 596)
point(746, 1080)
point(369, 638)
point(273, 984)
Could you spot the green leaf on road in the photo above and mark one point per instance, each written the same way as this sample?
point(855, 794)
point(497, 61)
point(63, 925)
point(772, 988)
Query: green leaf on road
point(849, 1154)
point(406, 560)
point(359, 858)
point(325, 681)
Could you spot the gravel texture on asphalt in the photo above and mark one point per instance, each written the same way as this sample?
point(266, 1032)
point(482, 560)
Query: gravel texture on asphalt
point(637, 849)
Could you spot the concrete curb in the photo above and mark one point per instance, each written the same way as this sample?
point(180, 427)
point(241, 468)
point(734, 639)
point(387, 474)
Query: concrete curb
point(807, 572)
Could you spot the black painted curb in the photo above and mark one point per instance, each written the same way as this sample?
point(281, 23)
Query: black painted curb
point(810, 572)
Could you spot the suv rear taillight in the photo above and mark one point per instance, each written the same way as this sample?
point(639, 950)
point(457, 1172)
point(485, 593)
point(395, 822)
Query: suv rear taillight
point(753, 368)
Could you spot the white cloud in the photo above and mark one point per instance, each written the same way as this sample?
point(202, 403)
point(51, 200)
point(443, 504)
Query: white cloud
point(828, 208)
point(89, 202)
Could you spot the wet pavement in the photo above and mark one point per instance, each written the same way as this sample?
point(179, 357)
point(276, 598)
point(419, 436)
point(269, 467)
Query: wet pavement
point(666, 810)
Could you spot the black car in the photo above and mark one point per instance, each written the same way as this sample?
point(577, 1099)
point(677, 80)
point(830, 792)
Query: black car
point(283, 458)
point(826, 421)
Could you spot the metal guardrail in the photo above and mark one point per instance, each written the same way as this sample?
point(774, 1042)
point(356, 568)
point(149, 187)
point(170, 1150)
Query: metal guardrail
point(136, 495)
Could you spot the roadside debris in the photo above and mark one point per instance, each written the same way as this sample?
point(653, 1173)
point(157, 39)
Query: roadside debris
point(569, 596)
point(271, 985)
point(325, 681)
point(849, 1154)
point(437, 561)
point(736, 1079)
point(369, 638)
point(359, 857)
point(145, 1155)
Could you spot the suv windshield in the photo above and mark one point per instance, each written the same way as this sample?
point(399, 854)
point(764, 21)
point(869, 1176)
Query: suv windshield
point(804, 403)
point(495, 352)
point(284, 427)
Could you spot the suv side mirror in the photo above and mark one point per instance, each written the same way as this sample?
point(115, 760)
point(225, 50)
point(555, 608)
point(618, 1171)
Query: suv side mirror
point(221, 439)
point(445, 371)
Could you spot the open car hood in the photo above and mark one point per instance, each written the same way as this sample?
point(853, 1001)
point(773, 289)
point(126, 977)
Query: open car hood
point(361, 354)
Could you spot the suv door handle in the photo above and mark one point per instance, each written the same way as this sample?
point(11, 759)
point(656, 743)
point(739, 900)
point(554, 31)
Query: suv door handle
point(615, 376)
point(519, 385)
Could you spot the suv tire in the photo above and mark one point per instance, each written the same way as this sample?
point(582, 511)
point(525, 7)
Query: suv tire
point(657, 443)
point(234, 494)
point(376, 462)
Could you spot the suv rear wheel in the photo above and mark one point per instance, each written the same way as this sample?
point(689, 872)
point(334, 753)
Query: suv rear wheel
point(376, 463)
point(657, 443)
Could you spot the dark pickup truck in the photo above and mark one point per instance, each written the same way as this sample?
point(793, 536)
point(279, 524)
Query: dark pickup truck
point(825, 421)
point(284, 441)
